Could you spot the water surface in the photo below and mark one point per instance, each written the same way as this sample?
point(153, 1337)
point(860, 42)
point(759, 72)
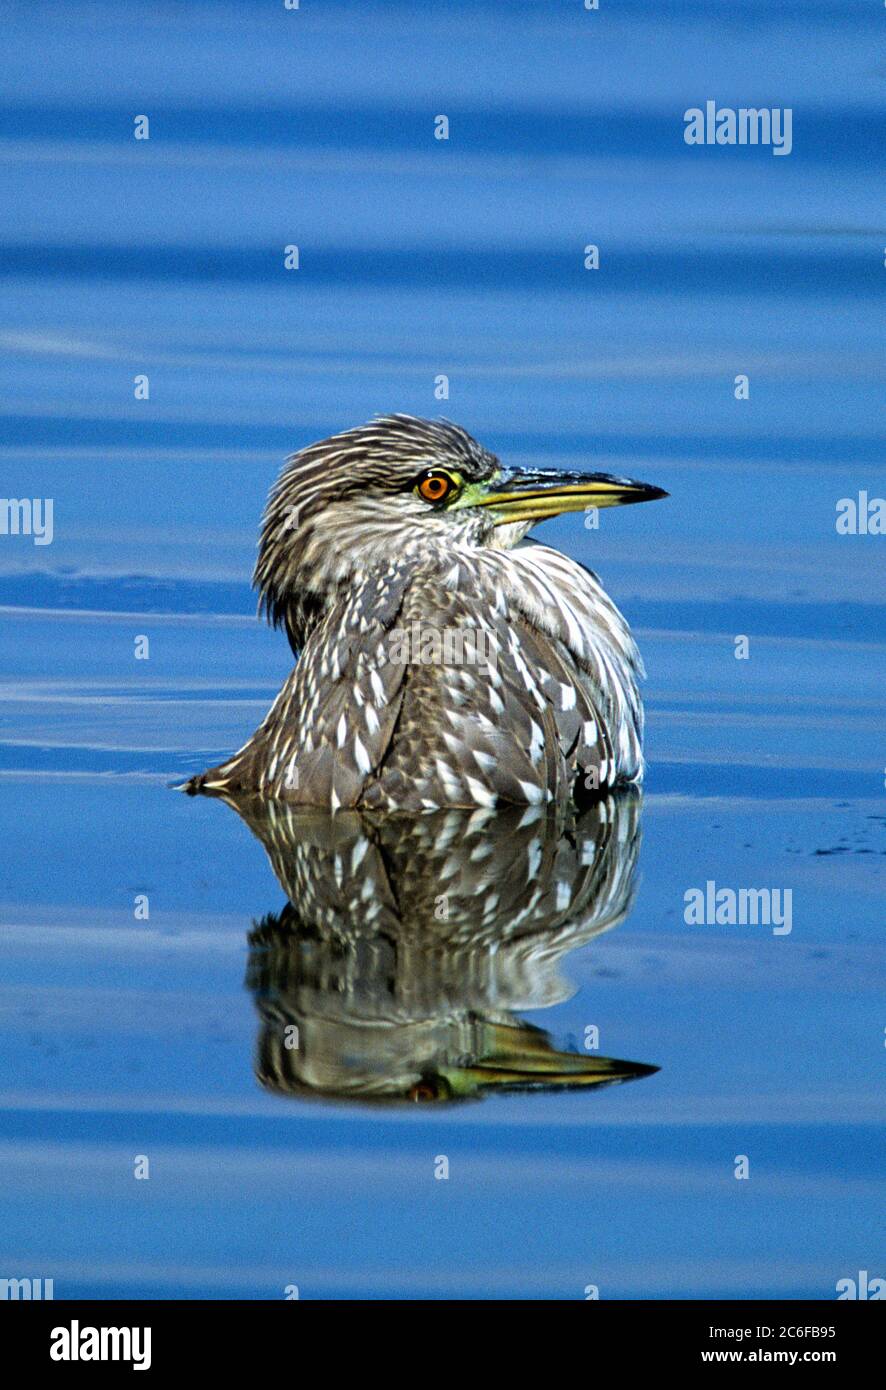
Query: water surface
point(123, 1036)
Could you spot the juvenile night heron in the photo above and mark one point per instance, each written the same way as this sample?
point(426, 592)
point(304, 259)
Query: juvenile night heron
point(443, 659)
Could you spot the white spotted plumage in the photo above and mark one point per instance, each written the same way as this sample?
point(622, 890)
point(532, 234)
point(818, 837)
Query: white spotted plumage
point(551, 703)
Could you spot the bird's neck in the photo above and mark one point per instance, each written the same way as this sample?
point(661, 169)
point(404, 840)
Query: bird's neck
point(327, 562)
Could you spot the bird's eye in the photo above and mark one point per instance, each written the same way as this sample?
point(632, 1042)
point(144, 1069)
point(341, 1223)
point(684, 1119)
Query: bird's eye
point(434, 486)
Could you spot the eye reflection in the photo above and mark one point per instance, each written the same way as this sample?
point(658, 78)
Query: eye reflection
point(424, 1090)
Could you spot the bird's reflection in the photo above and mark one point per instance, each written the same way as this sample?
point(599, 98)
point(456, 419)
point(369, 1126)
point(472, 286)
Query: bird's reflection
point(408, 947)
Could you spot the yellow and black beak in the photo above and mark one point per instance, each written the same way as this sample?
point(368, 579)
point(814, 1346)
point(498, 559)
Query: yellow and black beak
point(520, 1058)
point(533, 494)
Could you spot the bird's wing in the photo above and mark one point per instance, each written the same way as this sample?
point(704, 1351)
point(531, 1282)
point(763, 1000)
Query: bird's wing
point(474, 728)
point(520, 722)
point(348, 692)
point(330, 726)
point(567, 604)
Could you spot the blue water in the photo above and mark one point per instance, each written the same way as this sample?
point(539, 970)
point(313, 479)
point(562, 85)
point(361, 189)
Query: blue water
point(122, 1037)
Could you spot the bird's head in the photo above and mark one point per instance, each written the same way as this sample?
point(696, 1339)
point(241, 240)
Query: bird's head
point(398, 486)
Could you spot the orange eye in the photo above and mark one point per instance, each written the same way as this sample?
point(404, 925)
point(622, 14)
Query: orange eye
point(435, 487)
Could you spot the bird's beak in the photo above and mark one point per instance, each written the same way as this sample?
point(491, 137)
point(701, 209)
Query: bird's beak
point(521, 1059)
point(532, 494)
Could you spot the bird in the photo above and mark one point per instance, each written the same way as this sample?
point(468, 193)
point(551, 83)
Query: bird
point(444, 658)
